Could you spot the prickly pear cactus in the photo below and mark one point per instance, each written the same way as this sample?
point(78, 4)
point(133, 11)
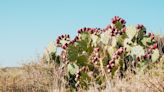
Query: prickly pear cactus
point(96, 54)
point(155, 55)
point(131, 32)
point(137, 51)
point(72, 68)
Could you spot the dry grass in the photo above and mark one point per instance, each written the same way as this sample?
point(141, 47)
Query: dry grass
point(160, 41)
point(30, 78)
point(46, 78)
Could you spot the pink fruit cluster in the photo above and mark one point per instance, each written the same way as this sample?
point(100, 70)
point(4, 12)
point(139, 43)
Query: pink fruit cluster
point(63, 56)
point(95, 31)
point(151, 35)
point(77, 77)
point(114, 27)
point(67, 39)
point(96, 56)
point(154, 46)
point(116, 55)
point(74, 40)
point(148, 53)
point(140, 27)
point(118, 19)
point(60, 38)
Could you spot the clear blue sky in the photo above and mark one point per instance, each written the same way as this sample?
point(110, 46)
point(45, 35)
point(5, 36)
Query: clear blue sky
point(26, 26)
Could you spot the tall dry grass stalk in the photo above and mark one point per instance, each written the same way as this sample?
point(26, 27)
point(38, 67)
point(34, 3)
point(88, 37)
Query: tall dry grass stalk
point(160, 41)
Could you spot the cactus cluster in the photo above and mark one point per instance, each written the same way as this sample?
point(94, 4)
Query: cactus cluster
point(95, 57)
point(115, 57)
point(95, 53)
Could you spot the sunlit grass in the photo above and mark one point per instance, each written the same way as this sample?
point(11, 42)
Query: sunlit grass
point(46, 78)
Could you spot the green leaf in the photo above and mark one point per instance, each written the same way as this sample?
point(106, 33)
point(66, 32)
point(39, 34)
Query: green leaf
point(155, 55)
point(56, 58)
point(105, 61)
point(114, 42)
point(146, 41)
point(129, 58)
point(72, 68)
point(95, 40)
point(82, 45)
point(131, 31)
point(91, 67)
point(119, 25)
point(105, 37)
point(72, 53)
point(141, 34)
point(111, 50)
point(84, 76)
point(128, 44)
point(121, 63)
point(84, 36)
point(120, 40)
point(137, 51)
point(143, 63)
point(82, 61)
point(85, 80)
point(90, 50)
point(63, 41)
